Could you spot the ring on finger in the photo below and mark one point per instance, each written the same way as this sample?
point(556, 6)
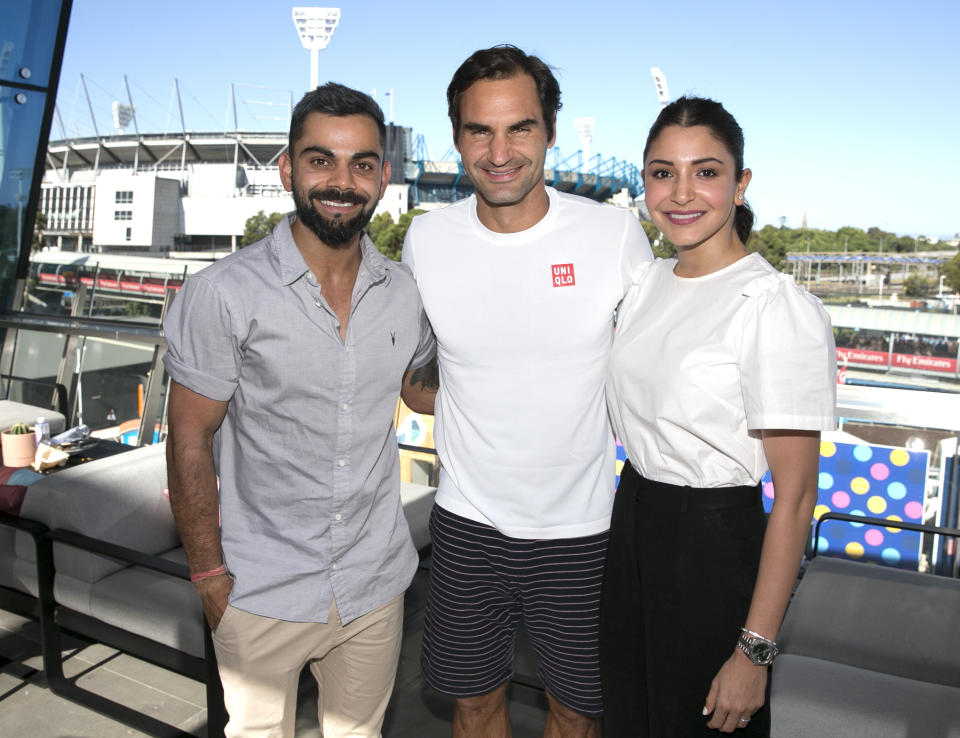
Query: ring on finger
point(744, 720)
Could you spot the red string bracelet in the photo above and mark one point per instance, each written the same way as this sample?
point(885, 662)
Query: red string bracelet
point(196, 577)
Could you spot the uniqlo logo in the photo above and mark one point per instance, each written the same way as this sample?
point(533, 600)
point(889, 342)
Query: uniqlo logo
point(562, 275)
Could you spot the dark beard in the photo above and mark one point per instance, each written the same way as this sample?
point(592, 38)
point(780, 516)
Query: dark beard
point(334, 232)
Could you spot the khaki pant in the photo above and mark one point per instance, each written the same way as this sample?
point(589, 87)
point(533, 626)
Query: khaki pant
point(260, 661)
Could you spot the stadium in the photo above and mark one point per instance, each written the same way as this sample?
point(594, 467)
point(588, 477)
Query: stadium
point(192, 192)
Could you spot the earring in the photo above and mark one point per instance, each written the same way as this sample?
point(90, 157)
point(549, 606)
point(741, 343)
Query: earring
point(740, 197)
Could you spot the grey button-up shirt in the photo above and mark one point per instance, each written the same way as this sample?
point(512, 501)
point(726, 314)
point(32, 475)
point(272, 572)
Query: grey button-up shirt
point(307, 453)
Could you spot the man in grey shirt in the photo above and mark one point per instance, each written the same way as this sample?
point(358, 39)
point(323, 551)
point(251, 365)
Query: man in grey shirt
point(287, 359)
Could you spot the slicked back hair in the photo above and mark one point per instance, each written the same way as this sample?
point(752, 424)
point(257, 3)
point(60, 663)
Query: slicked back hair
point(503, 62)
point(688, 112)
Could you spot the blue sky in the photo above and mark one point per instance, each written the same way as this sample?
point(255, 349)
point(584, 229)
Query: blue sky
point(850, 109)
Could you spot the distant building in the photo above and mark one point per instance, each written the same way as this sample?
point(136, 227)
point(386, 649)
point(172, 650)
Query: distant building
point(193, 192)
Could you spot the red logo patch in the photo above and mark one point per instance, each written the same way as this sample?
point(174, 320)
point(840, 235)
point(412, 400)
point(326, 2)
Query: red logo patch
point(562, 275)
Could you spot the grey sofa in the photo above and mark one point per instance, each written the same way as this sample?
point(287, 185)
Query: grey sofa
point(868, 651)
point(97, 546)
point(16, 412)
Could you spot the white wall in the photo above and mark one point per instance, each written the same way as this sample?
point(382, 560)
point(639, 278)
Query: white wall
point(107, 230)
point(395, 201)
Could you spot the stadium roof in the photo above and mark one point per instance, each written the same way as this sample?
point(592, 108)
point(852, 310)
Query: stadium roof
point(152, 149)
point(895, 321)
point(597, 178)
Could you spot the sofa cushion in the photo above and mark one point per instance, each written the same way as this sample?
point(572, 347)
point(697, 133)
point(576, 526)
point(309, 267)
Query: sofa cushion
point(814, 698)
point(873, 617)
point(16, 412)
point(118, 499)
point(153, 605)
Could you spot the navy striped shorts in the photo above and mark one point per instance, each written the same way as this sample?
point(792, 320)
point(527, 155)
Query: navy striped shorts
point(483, 584)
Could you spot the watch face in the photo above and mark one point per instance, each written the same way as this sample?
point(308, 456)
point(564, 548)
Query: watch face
point(762, 653)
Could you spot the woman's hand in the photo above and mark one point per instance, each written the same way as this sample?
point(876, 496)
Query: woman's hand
point(736, 692)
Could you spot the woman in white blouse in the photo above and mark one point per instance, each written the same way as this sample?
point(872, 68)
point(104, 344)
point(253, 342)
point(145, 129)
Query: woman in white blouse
point(721, 368)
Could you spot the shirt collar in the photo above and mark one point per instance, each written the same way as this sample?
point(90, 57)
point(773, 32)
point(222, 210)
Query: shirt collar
point(292, 265)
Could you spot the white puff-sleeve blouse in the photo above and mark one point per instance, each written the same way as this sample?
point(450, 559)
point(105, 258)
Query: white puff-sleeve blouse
point(701, 365)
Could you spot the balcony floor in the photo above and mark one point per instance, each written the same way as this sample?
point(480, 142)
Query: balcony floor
point(28, 708)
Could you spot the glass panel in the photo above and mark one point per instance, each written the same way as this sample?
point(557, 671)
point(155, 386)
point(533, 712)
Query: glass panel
point(21, 112)
point(27, 37)
point(112, 378)
point(37, 357)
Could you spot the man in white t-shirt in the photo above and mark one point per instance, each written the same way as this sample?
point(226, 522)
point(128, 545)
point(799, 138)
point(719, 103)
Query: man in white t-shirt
point(520, 283)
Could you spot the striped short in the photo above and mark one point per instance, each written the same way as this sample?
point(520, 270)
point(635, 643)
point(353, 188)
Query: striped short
point(483, 584)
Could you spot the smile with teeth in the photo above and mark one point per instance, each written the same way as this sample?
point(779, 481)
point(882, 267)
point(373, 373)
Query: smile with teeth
point(501, 174)
point(337, 204)
point(684, 217)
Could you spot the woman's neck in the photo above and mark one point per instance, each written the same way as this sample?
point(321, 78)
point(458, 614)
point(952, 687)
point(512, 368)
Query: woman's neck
point(708, 257)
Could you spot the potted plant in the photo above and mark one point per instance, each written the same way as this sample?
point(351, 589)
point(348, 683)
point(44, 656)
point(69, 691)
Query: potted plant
point(18, 445)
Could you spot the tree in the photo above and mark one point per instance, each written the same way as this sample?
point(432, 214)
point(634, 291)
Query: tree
point(378, 225)
point(259, 227)
point(39, 223)
point(390, 239)
point(951, 271)
point(916, 286)
point(771, 244)
point(661, 246)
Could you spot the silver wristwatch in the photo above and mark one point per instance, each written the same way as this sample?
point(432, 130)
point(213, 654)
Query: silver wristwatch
point(761, 651)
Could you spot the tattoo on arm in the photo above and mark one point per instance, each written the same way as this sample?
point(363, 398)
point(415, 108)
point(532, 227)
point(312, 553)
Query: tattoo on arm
point(427, 376)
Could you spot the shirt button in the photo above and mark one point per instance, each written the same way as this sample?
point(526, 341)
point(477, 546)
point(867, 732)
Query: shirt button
point(344, 407)
point(337, 516)
point(334, 565)
point(342, 462)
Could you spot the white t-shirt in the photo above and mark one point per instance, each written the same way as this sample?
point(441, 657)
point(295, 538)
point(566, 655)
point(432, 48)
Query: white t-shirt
point(700, 365)
point(524, 326)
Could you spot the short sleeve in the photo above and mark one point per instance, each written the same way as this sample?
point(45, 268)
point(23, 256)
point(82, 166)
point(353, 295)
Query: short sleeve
point(203, 349)
point(788, 364)
point(428, 344)
point(634, 251)
point(406, 254)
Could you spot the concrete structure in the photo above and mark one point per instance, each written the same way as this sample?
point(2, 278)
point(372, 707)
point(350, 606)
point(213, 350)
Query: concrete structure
point(193, 192)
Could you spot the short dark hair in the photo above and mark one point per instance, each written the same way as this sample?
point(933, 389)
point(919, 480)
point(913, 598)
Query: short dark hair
point(338, 100)
point(503, 62)
point(687, 112)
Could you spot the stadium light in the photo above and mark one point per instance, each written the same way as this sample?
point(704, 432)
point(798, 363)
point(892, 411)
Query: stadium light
point(660, 80)
point(122, 115)
point(315, 26)
point(585, 128)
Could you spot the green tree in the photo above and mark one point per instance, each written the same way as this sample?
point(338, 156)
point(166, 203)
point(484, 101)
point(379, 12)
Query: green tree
point(771, 244)
point(390, 239)
point(378, 225)
point(259, 227)
point(855, 239)
point(951, 271)
point(39, 223)
point(916, 286)
point(662, 248)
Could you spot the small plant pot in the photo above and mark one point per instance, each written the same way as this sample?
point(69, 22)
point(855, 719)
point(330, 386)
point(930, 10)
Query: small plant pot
point(19, 449)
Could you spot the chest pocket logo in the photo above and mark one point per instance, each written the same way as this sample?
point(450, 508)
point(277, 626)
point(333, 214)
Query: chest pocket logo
point(562, 275)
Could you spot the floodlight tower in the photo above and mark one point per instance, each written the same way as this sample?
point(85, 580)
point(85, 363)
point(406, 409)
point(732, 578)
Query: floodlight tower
point(585, 128)
point(660, 80)
point(315, 26)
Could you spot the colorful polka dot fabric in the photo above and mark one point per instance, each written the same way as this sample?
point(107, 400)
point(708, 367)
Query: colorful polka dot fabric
point(857, 479)
point(879, 481)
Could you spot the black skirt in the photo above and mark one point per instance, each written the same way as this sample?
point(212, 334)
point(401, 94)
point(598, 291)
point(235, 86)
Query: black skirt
point(679, 576)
